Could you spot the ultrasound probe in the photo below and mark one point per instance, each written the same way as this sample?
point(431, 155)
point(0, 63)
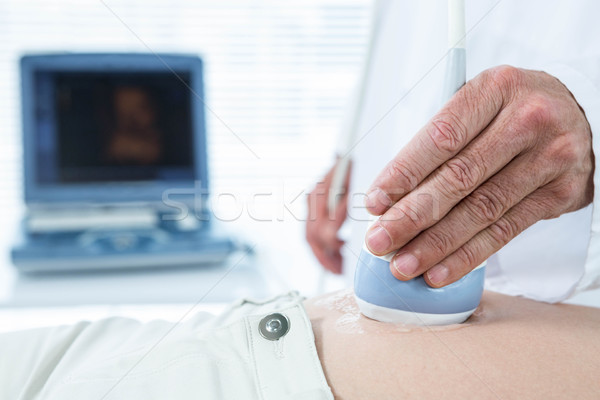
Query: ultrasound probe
point(378, 293)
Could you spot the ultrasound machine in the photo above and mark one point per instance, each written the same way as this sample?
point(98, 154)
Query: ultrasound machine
point(115, 164)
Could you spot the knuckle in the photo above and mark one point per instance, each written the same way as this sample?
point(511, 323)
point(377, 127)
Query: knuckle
point(406, 214)
point(503, 230)
point(564, 191)
point(399, 172)
point(461, 174)
point(441, 242)
point(482, 90)
point(537, 112)
point(505, 76)
point(487, 204)
point(447, 132)
point(566, 150)
point(466, 255)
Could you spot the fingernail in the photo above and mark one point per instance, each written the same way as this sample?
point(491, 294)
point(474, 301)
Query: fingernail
point(378, 240)
point(438, 274)
point(377, 200)
point(405, 264)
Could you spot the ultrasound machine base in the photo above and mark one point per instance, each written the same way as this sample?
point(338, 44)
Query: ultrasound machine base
point(102, 250)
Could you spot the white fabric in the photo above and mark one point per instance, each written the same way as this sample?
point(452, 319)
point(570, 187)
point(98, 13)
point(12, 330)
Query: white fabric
point(205, 357)
point(554, 259)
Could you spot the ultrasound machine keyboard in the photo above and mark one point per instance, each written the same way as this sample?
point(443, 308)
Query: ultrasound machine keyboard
point(120, 249)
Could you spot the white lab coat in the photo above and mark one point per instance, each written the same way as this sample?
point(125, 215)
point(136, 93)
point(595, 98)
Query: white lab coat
point(553, 259)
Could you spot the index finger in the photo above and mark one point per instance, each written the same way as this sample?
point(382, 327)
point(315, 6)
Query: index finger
point(461, 119)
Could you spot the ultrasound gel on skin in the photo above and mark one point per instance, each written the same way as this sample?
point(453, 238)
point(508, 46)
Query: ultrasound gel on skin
point(383, 297)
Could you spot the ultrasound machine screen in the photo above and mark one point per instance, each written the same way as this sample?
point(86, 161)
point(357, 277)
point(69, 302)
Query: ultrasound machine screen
point(130, 125)
point(115, 127)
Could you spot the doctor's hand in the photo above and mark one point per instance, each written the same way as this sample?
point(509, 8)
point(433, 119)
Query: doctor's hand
point(322, 226)
point(510, 148)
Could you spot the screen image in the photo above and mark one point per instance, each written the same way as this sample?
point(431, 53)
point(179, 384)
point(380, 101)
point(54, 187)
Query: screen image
point(114, 126)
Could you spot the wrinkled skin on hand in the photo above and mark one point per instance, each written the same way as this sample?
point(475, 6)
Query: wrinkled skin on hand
point(511, 148)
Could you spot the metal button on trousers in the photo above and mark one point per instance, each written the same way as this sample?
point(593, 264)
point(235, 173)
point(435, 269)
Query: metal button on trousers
point(274, 326)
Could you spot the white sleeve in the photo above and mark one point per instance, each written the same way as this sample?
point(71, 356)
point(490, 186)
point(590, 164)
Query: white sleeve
point(556, 259)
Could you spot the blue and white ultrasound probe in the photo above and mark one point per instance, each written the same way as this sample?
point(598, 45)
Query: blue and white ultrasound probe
point(379, 294)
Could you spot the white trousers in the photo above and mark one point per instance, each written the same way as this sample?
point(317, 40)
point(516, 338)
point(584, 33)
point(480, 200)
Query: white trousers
point(205, 357)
